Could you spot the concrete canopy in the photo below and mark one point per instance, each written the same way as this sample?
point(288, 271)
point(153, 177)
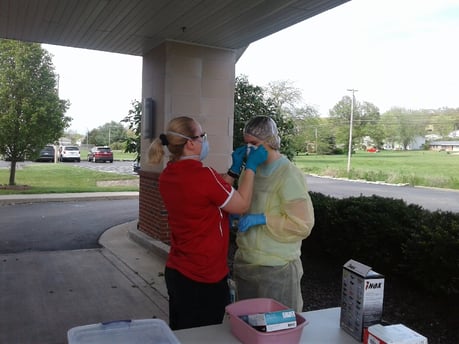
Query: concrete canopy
point(134, 27)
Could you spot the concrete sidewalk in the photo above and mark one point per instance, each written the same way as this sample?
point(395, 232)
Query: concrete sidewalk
point(44, 294)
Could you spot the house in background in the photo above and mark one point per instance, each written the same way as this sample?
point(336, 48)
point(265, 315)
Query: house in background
point(417, 143)
point(448, 146)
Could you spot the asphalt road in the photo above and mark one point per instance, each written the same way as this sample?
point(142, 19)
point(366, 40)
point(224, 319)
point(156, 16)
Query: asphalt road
point(429, 198)
point(52, 226)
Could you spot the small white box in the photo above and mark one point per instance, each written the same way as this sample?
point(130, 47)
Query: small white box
point(393, 334)
point(362, 298)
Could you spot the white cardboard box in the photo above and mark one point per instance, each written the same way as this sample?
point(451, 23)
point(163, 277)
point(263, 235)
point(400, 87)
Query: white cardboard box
point(362, 296)
point(393, 334)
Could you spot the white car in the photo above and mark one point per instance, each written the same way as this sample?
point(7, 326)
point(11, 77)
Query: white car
point(69, 153)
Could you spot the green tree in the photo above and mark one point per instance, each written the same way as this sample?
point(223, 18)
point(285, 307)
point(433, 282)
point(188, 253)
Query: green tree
point(340, 117)
point(285, 96)
point(251, 101)
point(31, 113)
point(133, 119)
point(442, 121)
point(74, 137)
point(369, 124)
point(407, 124)
point(287, 100)
point(107, 134)
point(365, 122)
point(389, 123)
point(307, 122)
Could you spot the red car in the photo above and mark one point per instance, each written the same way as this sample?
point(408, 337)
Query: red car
point(100, 154)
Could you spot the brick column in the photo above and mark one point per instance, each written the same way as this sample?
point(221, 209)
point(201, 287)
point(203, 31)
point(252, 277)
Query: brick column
point(152, 213)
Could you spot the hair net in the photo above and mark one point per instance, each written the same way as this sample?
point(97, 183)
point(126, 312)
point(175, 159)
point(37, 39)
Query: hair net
point(265, 129)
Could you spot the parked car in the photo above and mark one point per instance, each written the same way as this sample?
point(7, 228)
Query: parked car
point(372, 150)
point(46, 154)
point(69, 153)
point(100, 154)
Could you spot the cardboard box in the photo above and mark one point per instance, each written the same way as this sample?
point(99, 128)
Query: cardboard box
point(272, 321)
point(392, 334)
point(362, 298)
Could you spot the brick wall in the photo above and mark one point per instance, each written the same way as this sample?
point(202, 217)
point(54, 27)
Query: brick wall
point(152, 213)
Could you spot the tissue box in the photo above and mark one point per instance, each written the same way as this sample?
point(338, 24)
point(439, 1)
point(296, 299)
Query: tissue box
point(361, 298)
point(392, 334)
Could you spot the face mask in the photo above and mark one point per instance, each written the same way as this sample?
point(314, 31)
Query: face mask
point(204, 143)
point(204, 150)
point(248, 148)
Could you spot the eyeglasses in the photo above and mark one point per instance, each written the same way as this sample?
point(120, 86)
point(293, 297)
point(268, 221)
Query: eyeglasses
point(203, 136)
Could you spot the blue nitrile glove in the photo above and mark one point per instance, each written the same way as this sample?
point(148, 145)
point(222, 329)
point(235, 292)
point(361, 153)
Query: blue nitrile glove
point(257, 156)
point(238, 158)
point(250, 220)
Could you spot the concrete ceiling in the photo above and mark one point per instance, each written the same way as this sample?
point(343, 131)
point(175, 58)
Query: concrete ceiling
point(134, 27)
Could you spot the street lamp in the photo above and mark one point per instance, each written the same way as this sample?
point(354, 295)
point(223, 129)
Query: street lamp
point(350, 131)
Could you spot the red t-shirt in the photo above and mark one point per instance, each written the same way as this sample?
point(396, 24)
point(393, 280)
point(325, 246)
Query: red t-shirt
point(193, 195)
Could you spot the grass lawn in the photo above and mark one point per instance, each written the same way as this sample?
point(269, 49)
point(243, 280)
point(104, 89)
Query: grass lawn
point(420, 168)
point(62, 178)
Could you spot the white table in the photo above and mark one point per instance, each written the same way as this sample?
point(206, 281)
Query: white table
point(323, 327)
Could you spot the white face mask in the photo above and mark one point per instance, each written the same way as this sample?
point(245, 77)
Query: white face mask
point(204, 148)
point(249, 145)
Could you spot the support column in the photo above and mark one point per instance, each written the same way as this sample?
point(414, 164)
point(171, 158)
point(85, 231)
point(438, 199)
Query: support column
point(196, 81)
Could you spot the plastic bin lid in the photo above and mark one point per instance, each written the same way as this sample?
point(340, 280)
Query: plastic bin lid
point(123, 331)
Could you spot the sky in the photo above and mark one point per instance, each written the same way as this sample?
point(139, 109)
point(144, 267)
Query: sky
point(400, 53)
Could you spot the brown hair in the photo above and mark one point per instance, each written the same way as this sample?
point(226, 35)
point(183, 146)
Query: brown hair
point(182, 125)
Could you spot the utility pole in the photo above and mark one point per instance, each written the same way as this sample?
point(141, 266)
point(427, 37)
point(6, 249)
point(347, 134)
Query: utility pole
point(349, 152)
point(316, 139)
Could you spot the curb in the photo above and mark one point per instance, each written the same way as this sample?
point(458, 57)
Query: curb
point(67, 197)
point(155, 246)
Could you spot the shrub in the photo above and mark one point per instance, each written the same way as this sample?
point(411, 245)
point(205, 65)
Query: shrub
point(394, 238)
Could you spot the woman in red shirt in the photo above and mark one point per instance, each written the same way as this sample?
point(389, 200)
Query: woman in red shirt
point(198, 201)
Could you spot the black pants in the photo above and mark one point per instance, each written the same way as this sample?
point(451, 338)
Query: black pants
point(194, 304)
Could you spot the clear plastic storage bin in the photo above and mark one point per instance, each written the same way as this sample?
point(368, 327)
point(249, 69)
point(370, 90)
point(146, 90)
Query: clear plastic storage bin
point(122, 332)
point(248, 335)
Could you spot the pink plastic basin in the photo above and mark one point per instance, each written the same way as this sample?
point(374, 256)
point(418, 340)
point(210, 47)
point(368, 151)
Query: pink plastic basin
point(248, 335)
